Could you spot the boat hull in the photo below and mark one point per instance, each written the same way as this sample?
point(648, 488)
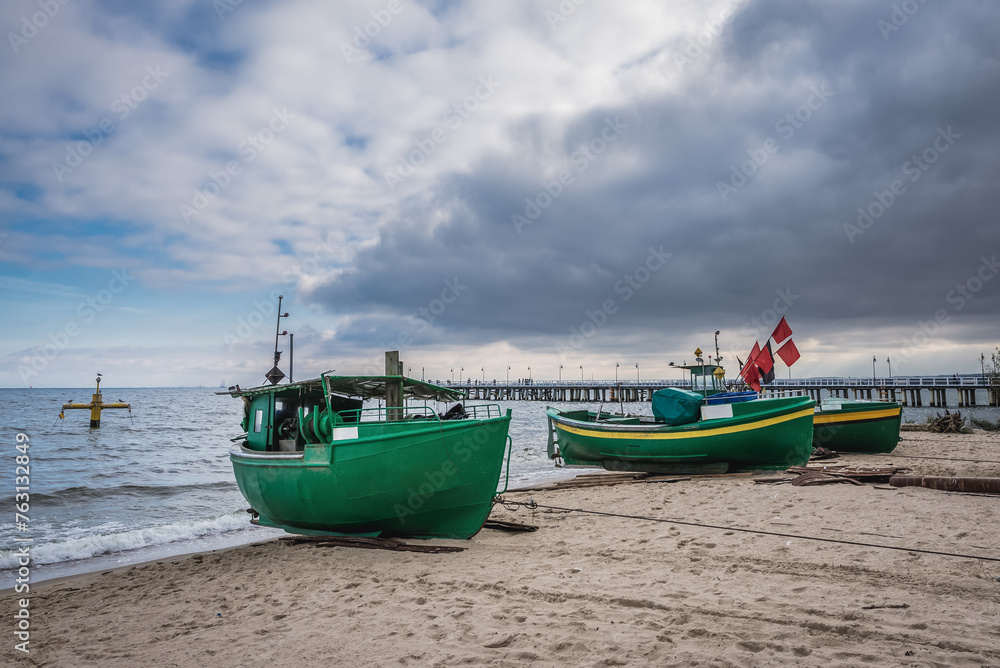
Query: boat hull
point(858, 427)
point(762, 434)
point(427, 479)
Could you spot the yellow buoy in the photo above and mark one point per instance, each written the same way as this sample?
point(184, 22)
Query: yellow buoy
point(96, 405)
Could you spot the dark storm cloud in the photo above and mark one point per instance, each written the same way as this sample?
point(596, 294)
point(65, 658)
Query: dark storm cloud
point(817, 107)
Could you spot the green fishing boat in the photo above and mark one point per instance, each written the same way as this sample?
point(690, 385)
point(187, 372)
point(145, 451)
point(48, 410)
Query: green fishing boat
point(687, 434)
point(313, 460)
point(857, 426)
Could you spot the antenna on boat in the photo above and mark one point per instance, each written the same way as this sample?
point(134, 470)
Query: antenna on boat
point(275, 375)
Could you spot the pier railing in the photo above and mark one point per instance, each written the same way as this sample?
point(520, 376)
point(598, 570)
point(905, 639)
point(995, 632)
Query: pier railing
point(940, 391)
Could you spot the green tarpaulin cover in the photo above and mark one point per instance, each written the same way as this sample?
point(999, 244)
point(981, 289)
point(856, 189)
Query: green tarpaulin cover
point(675, 406)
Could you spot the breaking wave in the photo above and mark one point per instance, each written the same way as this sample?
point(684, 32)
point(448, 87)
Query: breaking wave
point(95, 545)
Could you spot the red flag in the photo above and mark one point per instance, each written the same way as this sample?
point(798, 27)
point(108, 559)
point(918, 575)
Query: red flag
point(748, 369)
point(788, 353)
point(781, 332)
point(750, 372)
point(764, 360)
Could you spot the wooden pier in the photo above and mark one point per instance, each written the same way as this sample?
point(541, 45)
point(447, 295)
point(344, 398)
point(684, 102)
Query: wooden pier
point(933, 391)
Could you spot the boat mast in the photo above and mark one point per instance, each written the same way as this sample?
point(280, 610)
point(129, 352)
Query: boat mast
point(275, 375)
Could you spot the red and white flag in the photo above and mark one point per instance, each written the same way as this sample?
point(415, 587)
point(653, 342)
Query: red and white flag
point(784, 346)
point(781, 332)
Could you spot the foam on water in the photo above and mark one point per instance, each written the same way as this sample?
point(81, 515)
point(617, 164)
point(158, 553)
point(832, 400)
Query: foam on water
point(97, 544)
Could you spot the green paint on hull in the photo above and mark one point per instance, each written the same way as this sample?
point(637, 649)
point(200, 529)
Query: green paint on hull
point(424, 479)
point(316, 463)
point(762, 434)
point(858, 426)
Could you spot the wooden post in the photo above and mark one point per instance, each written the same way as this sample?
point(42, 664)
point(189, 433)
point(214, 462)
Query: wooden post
point(393, 388)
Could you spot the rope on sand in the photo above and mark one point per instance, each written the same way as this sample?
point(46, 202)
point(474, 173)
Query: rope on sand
point(947, 459)
point(512, 505)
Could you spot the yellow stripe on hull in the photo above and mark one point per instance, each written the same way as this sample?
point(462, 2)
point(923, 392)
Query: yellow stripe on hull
point(691, 433)
point(819, 418)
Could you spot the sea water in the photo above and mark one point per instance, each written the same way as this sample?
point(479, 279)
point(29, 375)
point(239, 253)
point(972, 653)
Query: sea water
point(153, 481)
point(156, 481)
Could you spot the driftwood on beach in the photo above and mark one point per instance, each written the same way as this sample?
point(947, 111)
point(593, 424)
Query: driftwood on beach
point(949, 423)
point(949, 484)
point(826, 475)
point(363, 542)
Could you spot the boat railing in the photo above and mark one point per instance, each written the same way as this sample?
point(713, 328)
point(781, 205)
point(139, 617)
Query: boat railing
point(411, 413)
point(484, 411)
point(770, 393)
point(380, 414)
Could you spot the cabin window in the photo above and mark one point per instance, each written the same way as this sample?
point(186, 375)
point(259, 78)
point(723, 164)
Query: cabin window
point(258, 419)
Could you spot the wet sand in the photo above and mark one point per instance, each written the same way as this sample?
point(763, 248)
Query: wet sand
point(583, 590)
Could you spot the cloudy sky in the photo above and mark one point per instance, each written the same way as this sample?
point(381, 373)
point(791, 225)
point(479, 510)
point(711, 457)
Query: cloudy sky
point(492, 184)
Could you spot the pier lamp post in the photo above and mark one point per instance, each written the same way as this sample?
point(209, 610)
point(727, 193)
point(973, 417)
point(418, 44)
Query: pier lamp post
point(529, 372)
point(508, 374)
point(560, 373)
point(616, 373)
point(421, 373)
point(461, 373)
point(888, 360)
point(581, 373)
point(453, 375)
point(637, 372)
point(873, 369)
point(483, 369)
point(982, 365)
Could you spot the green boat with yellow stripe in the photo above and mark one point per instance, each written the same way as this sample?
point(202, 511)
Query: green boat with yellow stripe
point(857, 426)
point(687, 434)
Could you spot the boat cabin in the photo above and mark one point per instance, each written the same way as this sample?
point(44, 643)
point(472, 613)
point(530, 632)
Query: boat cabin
point(286, 418)
point(705, 379)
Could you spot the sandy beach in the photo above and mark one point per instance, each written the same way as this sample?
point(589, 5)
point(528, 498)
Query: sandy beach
point(585, 589)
